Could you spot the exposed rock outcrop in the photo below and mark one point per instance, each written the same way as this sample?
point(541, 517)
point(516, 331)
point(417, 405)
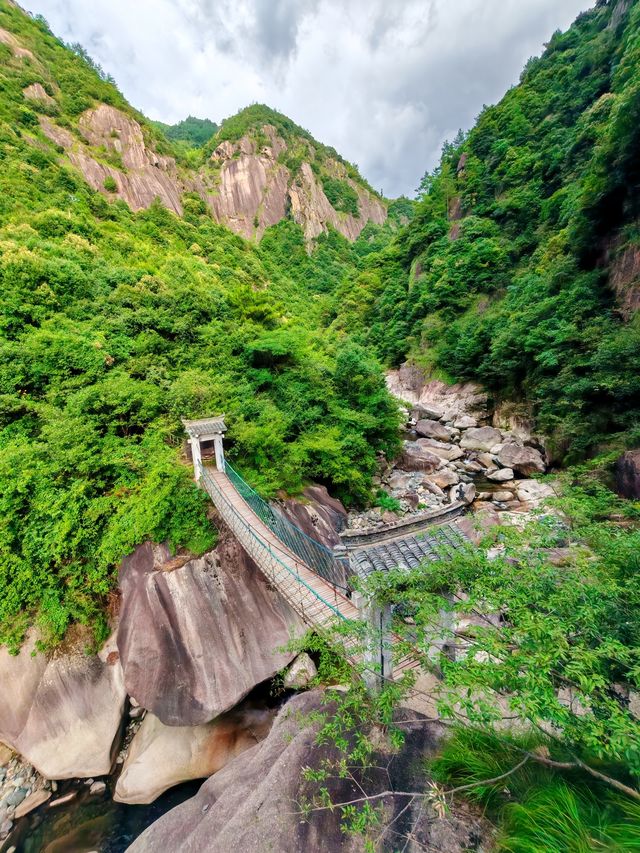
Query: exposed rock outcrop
point(63, 712)
point(162, 756)
point(627, 474)
point(252, 804)
point(317, 514)
point(195, 640)
point(244, 187)
point(436, 399)
point(37, 92)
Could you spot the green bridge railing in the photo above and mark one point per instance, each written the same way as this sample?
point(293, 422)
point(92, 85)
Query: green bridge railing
point(314, 554)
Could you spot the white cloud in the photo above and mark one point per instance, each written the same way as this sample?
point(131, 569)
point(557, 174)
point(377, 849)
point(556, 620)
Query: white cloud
point(383, 81)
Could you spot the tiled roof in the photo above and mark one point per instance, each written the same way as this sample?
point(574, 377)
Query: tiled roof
point(205, 426)
point(408, 551)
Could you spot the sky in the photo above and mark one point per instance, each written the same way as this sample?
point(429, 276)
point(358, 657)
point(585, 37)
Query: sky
point(385, 82)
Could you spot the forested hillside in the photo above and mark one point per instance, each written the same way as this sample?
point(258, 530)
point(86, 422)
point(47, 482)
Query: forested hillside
point(521, 268)
point(115, 325)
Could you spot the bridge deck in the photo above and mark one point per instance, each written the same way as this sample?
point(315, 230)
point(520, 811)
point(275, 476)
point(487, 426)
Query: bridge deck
point(313, 598)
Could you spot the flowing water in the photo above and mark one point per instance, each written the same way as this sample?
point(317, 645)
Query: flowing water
point(91, 824)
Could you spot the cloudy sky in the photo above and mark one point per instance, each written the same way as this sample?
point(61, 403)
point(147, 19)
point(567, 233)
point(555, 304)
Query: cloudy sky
point(383, 81)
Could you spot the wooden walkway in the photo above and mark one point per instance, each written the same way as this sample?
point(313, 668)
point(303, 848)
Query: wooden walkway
point(313, 598)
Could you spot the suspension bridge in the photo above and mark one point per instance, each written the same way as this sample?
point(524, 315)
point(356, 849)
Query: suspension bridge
point(307, 574)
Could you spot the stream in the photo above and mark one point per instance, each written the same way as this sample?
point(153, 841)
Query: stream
point(90, 824)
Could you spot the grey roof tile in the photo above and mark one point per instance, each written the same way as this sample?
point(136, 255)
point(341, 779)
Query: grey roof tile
point(408, 551)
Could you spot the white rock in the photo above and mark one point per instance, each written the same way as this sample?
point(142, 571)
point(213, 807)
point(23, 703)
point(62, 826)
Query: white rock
point(480, 438)
point(533, 491)
point(301, 672)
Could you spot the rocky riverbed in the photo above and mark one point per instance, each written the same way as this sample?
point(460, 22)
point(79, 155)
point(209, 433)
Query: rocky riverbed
point(455, 448)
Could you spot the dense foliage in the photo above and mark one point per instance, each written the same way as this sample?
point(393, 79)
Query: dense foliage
point(196, 132)
point(506, 273)
point(113, 326)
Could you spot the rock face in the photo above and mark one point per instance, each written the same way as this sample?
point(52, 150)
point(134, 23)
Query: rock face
point(436, 398)
point(318, 515)
point(627, 474)
point(195, 640)
point(63, 713)
point(246, 188)
point(162, 756)
point(252, 804)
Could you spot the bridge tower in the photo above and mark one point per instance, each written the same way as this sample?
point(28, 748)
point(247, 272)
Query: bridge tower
point(205, 438)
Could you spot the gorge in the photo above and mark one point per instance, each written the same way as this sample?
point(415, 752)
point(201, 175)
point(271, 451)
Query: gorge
point(443, 394)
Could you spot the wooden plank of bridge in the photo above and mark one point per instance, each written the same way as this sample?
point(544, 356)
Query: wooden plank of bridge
point(318, 613)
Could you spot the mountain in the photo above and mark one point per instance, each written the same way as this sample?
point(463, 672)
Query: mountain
point(521, 267)
point(125, 305)
point(195, 132)
point(259, 168)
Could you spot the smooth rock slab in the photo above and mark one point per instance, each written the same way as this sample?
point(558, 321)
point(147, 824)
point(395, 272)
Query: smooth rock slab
point(33, 801)
point(62, 712)
point(163, 756)
point(194, 641)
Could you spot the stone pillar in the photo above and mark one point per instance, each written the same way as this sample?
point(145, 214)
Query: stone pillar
point(219, 451)
point(377, 652)
point(197, 457)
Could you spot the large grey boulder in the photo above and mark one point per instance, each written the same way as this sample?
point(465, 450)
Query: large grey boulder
point(415, 457)
point(480, 438)
point(162, 756)
point(524, 460)
point(195, 640)
point(433, 429)
point(254, 803)
point(250, 805)
point(62, 711)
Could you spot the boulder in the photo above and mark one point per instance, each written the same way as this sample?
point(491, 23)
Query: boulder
point(480, 438)
point(433, 429)
point(417, 458)
point(465, 492)
point(162, 756)
point(487, 461)
point(501, 476)
point(524, 460)
point(301, 672)
point(33, 801)
point(250, 804)
point(465, 422)
point(317, 514)
point(533, 491)
point(444, 477)
point(195, 640)
point(449, 452)
point(400, 480)
point(253, 804)
point(502, 496)
point(627, 475)
point(63, 711)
